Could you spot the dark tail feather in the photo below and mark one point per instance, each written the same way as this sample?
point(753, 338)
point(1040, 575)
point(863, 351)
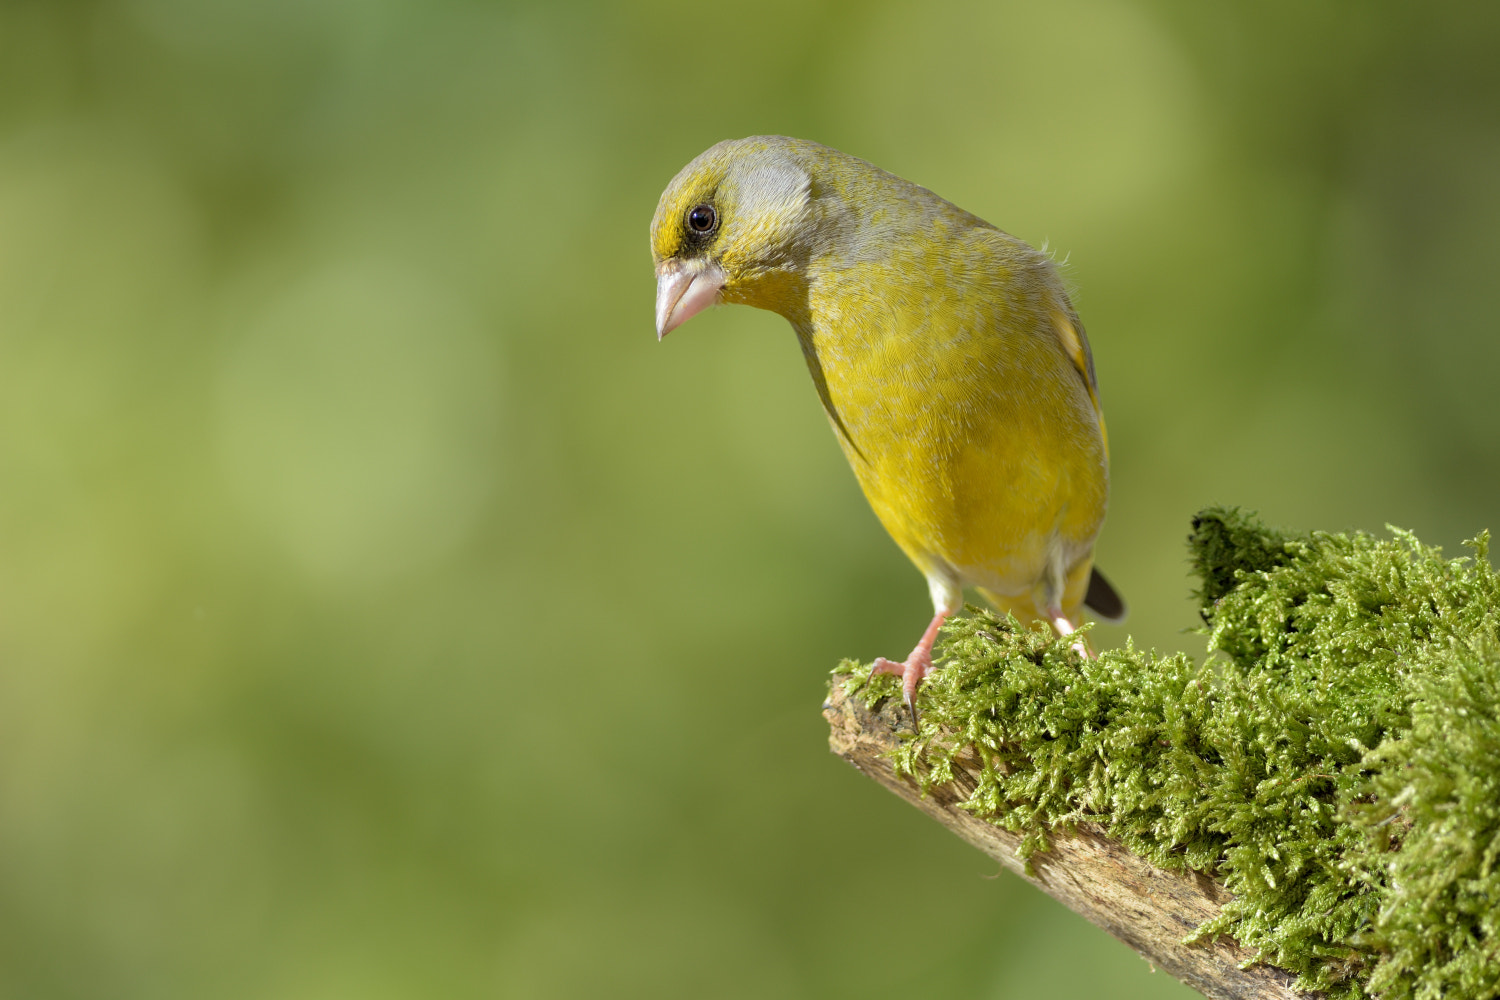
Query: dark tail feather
point(1103, 600)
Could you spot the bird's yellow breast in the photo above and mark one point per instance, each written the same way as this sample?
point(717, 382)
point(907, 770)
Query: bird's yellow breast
point(973, 434)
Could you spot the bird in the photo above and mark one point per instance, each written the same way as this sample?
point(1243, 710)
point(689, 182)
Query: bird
point(947, 355)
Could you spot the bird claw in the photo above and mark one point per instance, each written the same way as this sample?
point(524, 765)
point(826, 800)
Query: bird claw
point(912, 672)
point(1065, 627)
point(917, 666)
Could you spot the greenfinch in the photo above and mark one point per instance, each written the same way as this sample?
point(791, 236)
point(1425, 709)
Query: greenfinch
point(948, 358)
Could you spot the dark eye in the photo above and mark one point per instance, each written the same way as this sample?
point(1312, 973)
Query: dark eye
point(702, 219)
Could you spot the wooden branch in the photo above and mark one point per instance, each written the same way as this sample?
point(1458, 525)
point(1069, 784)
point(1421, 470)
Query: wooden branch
point(1149, 909)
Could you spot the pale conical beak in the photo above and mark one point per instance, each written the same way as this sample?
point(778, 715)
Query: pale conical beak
point(683, 291)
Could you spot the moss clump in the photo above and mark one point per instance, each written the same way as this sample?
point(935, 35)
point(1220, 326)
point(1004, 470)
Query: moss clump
point(1338, 769)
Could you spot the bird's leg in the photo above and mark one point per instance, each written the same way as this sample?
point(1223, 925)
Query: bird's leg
point(1065, 626)
point(917, 666)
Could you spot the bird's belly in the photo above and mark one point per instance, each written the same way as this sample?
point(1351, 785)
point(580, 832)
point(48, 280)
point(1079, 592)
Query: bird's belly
point(987, 493)
point(991, 522)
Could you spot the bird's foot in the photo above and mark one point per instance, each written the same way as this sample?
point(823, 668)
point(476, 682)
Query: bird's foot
point(916, 666)
point(912, 673)
point(1065, 627)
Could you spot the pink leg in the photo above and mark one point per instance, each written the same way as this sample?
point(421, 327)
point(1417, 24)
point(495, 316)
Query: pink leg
point(1064, 626)
point(917, 666)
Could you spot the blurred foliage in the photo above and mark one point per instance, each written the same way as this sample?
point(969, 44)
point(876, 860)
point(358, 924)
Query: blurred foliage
point(383, 613)
point(1336, 769)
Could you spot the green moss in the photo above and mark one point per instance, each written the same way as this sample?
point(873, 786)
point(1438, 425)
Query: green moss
point(1338, 768)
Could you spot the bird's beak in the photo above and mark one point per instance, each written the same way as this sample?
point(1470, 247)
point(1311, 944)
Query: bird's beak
point(683, 290)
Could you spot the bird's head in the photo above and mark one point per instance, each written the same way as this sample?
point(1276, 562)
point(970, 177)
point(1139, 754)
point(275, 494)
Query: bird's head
point(736, 225)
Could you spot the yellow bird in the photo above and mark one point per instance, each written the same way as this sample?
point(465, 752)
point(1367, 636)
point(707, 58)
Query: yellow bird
point(951, 364)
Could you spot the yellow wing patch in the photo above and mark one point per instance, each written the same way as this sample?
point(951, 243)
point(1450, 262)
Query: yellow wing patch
point(1075, 344)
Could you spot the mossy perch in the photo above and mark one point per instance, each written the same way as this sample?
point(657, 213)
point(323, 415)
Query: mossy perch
point(1319, 803)
point(1150, 909)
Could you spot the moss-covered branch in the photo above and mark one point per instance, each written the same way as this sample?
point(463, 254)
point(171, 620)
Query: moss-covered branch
point(1148, 908)
point(1328, 784)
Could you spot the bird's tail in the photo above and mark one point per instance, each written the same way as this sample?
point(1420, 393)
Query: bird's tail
point(1103, 600)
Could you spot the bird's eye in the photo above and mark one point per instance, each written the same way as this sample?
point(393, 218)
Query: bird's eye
point(702, 219)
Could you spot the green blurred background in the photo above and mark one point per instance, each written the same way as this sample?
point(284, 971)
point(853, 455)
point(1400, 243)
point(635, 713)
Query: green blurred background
point(384, 613)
